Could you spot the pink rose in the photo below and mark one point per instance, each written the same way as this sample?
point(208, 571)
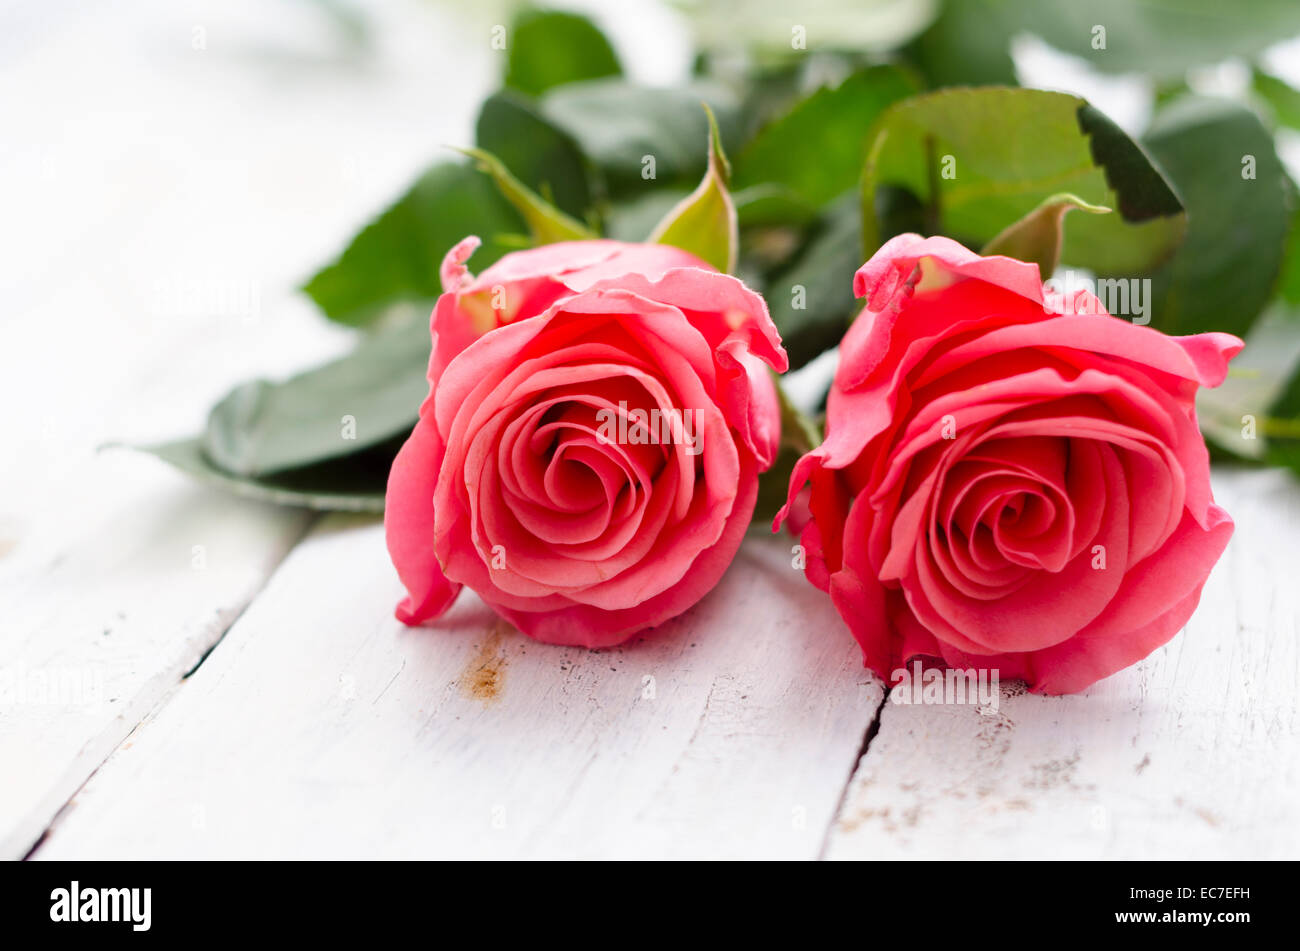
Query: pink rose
point(1006, 488)
point(587, 459)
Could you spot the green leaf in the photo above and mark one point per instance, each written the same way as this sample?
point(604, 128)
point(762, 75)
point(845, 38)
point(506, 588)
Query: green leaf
point(811, 300)
point(542, 156)
point(1289, 284)
point(767, 205)
point(642, 138)
point(1282, 99)
point(979, 158)
point(395, 259)
point(1257, 387)
point(351, 484)
point(324, 439)
point(368, 397)
point(770, 89)
point(799, 434)
point(1227, 270)
point(965, 46)
point(1161, 38)
point(1281, 425)
point(1155, 37)
point(546, 223)
point(816, 149)
point(549, 48)
point(797, 431)
point(632, 218)
point(1037, 236)
point(774, 486)
point(704, 222)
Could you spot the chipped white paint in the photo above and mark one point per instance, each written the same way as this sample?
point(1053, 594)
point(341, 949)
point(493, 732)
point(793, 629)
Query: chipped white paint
point(1194, 753)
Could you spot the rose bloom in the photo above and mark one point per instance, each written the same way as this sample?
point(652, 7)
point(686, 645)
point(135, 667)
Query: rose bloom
point(1003, 487)
point(587, 459)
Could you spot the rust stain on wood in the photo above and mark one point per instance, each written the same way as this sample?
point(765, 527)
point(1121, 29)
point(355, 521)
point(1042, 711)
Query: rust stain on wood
point(485, 674)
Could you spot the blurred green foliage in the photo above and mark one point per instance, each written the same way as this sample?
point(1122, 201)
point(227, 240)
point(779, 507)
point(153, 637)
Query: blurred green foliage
point(836, 146)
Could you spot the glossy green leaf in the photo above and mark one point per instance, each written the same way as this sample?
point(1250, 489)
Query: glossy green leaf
point(817, 148)
point(765, 205)
point(811, 300)
point(547, 48)
point(351, 484)
point(704, 222)
point(981, 158)
point(1037, 237)
point(1282, 99)
point(774, 487)
point(634, 217)
point(1241, 415)
point(365, 398)
point(1156, 37)
point(641, 138)
point(546, 223)
point(395, 259)
point(799, 434)
point(538, 153)
point(797, 430)
point(1162, 38)
point(965, 46)
point(1281, 424)
point(1227, 269)
point(1289, 283)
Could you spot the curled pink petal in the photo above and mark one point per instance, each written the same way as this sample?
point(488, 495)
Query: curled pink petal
point(453, 273)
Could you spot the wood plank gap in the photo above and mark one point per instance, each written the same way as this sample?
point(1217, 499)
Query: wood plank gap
point(873, 728)
point(308, 525)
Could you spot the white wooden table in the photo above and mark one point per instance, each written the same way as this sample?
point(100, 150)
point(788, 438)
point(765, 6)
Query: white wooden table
point(192, 675)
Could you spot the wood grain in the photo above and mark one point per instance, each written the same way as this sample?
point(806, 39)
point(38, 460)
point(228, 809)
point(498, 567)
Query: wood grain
point(321, 727)
point(156, 222)
point(1193, 753)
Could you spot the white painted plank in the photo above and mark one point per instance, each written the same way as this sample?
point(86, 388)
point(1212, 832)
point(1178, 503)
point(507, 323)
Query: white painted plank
point(108, 628)
point(320, 727)
point(1194, 753)
point(157, 220)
